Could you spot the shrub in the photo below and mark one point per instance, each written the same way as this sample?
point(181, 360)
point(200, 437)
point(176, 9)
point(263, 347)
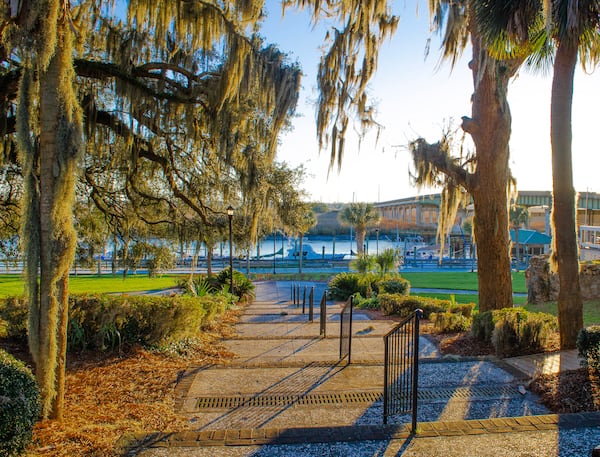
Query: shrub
point(366, 303)
point(394, 285)
point(363, 264)
point(343, 286)
point(13, 317)
point(19, 405)
point(483, 326)
point(464, 309)
point(514, 330)
point(450, 322)
point(242, 286)
point(588, 344)
point(106, 322)
point(402, 305)
point(388, 260)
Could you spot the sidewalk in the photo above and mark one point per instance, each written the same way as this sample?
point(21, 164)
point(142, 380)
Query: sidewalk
point(286, 393)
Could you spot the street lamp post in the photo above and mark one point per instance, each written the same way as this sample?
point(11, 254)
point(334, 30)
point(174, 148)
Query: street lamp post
point(377, 241)
point(230, 216)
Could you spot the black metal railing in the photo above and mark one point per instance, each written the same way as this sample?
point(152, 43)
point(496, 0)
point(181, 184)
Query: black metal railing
point(401, 369)
point(323, 316)
point(346, 330)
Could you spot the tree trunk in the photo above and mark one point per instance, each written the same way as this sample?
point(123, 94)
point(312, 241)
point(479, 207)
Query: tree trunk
point(113, 260)
point(126, 242)
point(490, 129)
point(59, 143)
point(301, 256)
point(565, 253)
point(61, 366)
point(209, 257)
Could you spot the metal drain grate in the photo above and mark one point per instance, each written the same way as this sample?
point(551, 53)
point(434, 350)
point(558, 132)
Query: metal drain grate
point(266, 401)
point(285, 400)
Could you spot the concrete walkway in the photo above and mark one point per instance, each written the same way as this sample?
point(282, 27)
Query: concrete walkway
point(287, 393)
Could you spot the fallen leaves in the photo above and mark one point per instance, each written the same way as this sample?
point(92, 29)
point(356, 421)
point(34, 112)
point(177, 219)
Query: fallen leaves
point(111, 395)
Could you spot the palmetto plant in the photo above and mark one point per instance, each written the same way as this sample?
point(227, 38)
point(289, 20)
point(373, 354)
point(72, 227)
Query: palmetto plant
point(364, 263)
point(388, 260)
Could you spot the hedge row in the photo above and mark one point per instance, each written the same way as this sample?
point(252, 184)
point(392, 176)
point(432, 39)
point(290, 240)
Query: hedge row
point(107, 322)
point(403, 305)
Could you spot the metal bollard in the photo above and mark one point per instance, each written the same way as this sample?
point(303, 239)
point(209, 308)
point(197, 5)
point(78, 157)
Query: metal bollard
point(323, 316)
point(304, 300)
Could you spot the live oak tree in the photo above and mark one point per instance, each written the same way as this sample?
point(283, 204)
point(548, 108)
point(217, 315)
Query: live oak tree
point(166, 82)
point(484, 175)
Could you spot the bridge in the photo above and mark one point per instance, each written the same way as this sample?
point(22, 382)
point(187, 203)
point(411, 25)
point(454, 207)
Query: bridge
point(423, 210)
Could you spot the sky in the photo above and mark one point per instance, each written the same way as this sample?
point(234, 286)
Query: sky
point(417, 97)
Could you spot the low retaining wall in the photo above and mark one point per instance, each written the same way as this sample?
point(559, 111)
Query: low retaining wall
point(543, 285)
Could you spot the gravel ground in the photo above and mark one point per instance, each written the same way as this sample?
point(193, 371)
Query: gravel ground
point(567, 443)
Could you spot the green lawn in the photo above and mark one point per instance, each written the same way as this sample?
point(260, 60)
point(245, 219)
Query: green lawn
point(13, 284)
point(591, 311)
point(457, 280)
point(466, 298)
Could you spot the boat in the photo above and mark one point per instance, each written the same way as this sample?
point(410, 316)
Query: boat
point(308, 253)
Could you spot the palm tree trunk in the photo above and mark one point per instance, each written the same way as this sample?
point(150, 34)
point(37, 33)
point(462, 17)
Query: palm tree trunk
point(565, 254)
point(361, 233)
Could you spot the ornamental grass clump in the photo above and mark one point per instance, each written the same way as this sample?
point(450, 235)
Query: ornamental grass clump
point(19, 405)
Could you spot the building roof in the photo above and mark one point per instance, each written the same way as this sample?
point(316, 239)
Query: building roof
point(530, 237)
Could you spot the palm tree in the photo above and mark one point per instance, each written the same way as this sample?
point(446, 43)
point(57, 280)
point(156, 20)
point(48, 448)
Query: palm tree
point(307, 221)
point(530, 28)
point(518, 216)
point(360, 216)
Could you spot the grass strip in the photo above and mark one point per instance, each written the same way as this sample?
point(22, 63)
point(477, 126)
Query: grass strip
point(14, 285)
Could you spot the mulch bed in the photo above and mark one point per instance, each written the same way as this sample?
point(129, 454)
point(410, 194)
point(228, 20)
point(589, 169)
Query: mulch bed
point(109, 395)
point(569, 392)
